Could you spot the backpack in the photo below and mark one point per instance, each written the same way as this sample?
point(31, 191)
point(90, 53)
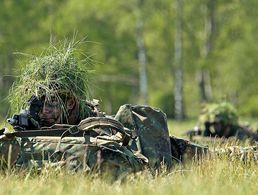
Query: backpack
point(96, 145)
point(148, 129)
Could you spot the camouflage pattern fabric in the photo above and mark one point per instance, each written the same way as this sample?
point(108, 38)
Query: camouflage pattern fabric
point(227, 131)
point(242, 133)
point(90, 154)
point(148, 128)
point(100, 148)
point(9, 152)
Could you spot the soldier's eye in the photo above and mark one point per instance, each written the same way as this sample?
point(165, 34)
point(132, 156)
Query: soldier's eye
point(52, 103)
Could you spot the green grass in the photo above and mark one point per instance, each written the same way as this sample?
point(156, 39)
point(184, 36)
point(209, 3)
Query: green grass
point(179, 128)
point(214, 175)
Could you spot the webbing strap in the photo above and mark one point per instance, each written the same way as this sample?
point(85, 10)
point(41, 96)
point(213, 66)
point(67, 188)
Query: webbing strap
point(97, 124)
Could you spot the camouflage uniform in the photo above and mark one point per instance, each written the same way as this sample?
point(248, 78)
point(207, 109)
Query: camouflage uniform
point(73, 153)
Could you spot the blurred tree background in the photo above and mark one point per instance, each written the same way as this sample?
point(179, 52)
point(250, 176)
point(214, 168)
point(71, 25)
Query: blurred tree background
point(172, 54)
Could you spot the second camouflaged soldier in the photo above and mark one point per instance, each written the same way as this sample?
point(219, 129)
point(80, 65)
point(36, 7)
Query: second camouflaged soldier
point(221, 120)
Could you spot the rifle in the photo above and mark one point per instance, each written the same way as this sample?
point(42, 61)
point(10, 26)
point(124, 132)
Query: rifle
point(28, 118)
point(91, 126)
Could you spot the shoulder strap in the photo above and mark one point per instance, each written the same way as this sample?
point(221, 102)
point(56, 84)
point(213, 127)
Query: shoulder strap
point(97, 124)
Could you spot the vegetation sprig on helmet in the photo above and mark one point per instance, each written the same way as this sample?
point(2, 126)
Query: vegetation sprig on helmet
point(56, 73)
point(223, 112)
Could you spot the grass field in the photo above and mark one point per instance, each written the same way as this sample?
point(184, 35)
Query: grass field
point(215, 175)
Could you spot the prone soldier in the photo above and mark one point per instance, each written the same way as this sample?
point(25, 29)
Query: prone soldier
point(221, 120)
point(58, 127)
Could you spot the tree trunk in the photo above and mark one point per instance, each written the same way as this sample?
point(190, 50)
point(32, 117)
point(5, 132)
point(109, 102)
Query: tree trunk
point(204, 75)
point(108, 103)
point(143, 80)
point(178, 78)
point(204, 83)
point(6, 80)
point(1, 85)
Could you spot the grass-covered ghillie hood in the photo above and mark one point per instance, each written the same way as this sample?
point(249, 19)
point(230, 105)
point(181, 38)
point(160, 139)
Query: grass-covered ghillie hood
point(56, 72)
point(223, 112)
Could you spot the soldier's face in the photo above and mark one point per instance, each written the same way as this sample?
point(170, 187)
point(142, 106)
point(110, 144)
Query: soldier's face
point(51, 113)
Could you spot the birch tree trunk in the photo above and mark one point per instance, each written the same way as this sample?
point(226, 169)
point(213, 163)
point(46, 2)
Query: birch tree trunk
point(179, 74)
point(6, 80)
point(143, 80)
point(1, 84)
point(203, 74)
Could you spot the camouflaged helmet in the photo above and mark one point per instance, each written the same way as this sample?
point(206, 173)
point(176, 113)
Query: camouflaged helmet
point(57, 73)
point(224, 113)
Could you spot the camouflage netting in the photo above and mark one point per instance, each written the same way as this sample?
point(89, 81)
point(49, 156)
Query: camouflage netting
point(222, 112)
point(55, 73)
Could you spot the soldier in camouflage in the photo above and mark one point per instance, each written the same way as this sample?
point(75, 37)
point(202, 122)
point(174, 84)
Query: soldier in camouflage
point(221, 120)
point(62, 129)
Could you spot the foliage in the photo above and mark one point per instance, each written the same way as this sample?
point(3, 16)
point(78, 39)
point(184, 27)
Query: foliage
point(111, 26)
point(165, 102)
